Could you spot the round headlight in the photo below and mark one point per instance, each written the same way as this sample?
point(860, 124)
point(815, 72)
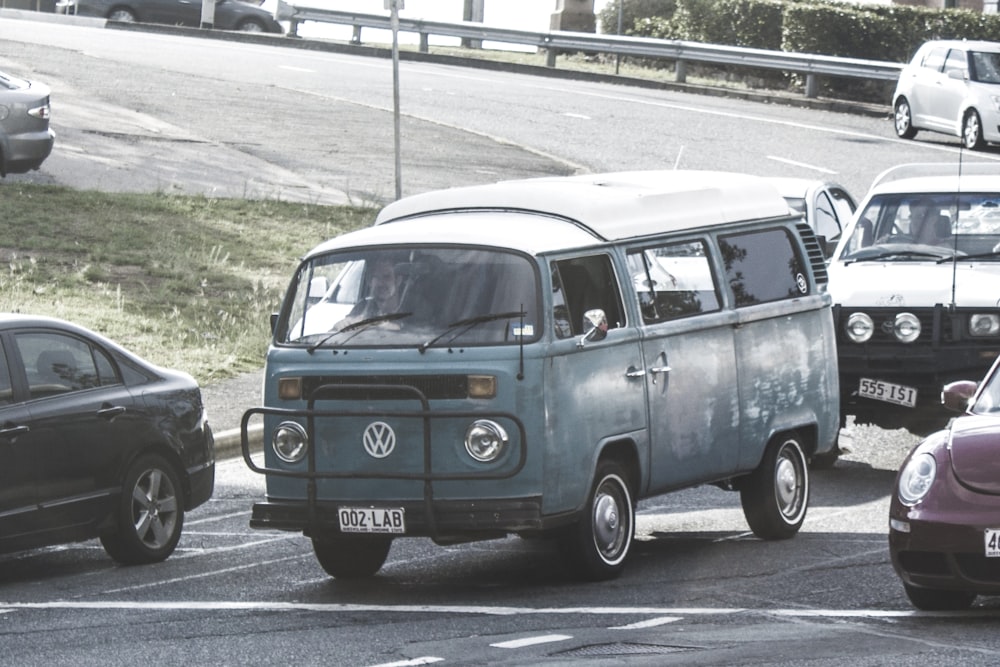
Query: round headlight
point(984, 324)
point(916, 478)
point(906, 327)
point(290, 442)
point(860, 327)
point(485, 440)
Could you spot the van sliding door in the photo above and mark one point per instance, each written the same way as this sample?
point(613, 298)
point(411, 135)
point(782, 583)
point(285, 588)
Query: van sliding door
point(689, 363)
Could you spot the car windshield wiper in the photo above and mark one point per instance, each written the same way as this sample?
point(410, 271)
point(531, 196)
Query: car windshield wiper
point(358, 327)
point(995, 254)
point(863, 256)
point(469, 323)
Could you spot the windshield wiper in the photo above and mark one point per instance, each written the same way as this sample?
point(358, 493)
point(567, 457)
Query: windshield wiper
point(469, 323)
point(862, 256)
point(995, 254)
point(358, 327)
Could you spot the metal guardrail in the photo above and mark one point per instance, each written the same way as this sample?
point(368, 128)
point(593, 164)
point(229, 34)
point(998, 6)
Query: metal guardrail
point(811, 66)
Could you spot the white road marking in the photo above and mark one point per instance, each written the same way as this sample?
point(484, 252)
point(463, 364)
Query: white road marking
point(235, 605)
point(651, 623)
point(411, 663)
point(577, 115)
point(532, 641)
point(804, 165)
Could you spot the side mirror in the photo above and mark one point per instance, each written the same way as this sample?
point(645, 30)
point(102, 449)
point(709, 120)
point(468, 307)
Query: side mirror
point(956, 395)
point(595, 327)
point(957, 74)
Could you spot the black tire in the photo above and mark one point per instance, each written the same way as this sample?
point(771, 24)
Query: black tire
point(932, 599)
point(972, 131)
point(150, 513)
point(903, 119)
point(775, 496)
point(351, 557)
point(122, 15)
point(598, 544)
point(250, 25)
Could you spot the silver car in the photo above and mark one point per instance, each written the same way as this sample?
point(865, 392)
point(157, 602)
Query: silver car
point(953, 87)
point(25, 137)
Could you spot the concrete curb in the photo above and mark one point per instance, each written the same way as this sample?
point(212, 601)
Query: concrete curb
point(228, 445)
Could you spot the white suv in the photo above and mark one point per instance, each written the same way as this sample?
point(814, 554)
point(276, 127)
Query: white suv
point(951, 86)
point(915, 282)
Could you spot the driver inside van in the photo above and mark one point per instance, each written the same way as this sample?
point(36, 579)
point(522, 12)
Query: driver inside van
point(383, 295)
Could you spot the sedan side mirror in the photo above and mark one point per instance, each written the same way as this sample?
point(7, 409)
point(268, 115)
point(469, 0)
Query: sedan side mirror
point(956, 395)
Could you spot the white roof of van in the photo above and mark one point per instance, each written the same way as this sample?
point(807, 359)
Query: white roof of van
point(614, 205)
point(545, 214)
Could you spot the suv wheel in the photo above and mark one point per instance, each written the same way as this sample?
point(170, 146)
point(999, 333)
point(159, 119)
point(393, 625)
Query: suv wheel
point(904, 119)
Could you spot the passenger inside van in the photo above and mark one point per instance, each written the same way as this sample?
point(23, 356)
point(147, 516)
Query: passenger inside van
point(383, 295)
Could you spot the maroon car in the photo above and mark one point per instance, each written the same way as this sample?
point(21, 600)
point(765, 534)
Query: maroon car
point(944, 521)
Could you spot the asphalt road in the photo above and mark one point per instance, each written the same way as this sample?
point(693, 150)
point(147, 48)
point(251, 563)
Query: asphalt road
point(235, 119)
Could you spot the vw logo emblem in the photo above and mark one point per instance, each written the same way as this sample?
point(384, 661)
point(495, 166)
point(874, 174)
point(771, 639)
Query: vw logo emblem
point(379, 440)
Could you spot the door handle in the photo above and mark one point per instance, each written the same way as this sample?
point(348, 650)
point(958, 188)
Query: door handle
point(11, 431)
point(109, 412)
point(634, 372)
point(655, 370)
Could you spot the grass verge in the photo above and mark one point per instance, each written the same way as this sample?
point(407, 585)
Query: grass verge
point(186, 282)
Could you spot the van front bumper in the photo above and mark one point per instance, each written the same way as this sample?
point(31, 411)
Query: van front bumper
point(444, 520)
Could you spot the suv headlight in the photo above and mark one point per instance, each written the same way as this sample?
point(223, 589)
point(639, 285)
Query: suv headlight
point(860, 327)
point(906, 327)
point(916, 478)
point(984, 324)
point(290, 442)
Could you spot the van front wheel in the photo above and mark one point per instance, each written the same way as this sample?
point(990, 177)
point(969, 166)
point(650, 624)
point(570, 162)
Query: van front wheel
point(351, 557)
point(775, 495)
point(600, 541)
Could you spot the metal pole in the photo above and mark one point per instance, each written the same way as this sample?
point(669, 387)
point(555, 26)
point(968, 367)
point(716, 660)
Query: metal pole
point(395, 6)
point(618, 57)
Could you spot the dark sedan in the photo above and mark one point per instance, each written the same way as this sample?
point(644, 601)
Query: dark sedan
point(96, 443)
point(25, 137)
point(229, 14)
point(944, 521)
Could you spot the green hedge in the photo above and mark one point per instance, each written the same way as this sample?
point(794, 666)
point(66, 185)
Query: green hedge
point(871, 32)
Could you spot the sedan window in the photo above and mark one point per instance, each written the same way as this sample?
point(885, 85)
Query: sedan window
point(56, 364)
point(6, 393)
point(957, 62)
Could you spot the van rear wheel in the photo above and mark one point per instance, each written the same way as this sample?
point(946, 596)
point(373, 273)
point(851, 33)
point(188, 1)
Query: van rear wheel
point(599, 542)
point(775, 496)
point(351, 557)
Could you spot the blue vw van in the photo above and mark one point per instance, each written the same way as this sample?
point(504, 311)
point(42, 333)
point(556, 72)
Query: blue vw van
point(533, 357)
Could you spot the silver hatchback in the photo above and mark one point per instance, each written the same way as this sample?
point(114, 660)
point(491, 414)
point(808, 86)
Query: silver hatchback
point(25, 137)
point(952, 87)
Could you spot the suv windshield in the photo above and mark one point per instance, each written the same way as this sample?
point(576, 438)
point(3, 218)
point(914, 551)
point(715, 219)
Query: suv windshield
point(414, 297)
point(925, 227)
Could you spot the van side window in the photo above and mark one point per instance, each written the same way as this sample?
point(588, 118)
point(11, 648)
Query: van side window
point(763, 266)
point(581, 284)
point(673, 281)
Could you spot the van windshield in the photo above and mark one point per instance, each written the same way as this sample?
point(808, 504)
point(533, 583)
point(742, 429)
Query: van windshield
point(421, 297)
